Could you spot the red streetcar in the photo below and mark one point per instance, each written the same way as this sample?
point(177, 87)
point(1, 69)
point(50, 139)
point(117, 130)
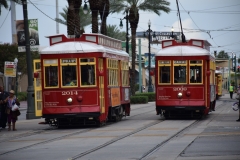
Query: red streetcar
point(185, 79)
point(82, 81)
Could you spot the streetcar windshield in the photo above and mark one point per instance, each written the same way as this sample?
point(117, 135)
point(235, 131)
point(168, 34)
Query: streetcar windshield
point(164, 72)
point(180, 74)
point(87, 71)
point(195, 74)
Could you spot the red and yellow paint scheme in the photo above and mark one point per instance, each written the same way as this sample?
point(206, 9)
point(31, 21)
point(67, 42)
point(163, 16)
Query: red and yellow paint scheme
point(185, 78)
point(82, 80)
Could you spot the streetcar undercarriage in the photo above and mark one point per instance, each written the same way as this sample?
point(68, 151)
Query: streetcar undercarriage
point(181, 112)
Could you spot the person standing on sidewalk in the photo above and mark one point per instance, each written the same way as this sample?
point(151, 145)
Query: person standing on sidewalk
point(231, 90)
point(12, 115)
point(3, 105)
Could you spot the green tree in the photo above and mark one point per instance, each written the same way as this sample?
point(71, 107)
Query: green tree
point(222, 54)
point(114, 32)
point(8, 52)
point(134, 6)
point(85, 18)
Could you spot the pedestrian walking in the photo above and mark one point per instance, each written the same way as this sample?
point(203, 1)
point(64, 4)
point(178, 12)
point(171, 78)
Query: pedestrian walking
point(3, 106)
point(231, 90)
point(12, 115)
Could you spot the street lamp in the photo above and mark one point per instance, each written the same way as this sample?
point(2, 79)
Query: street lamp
point(149, 31)
point(121, 26)
point(172, 32)
point(85, 7)
point(16, 65)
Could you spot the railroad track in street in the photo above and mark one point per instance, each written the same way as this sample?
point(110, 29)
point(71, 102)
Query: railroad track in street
point(51, 131)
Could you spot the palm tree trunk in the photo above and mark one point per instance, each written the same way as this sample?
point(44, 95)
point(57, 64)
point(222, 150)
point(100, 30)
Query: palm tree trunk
point(94, 6)
point(133, 42)
point(70, 18)
point(77, 6)
point(104, 12)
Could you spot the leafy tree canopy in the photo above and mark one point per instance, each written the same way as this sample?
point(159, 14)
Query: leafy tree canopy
point(222, 54)
point(114, 32)
point(9, 52)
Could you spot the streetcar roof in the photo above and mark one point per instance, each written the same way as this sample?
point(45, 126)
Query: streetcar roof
point(183, 51)
point(81, 47)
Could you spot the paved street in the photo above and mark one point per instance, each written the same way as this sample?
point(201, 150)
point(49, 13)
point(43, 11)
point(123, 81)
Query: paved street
point(215, 137)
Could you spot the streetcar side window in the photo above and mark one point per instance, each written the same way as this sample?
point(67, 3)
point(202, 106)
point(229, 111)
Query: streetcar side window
point(113, 72)
point(69, 72)
point(50, 73)
point(88, 71)
point(125, 73)
point(164, 71)
point(195, 71)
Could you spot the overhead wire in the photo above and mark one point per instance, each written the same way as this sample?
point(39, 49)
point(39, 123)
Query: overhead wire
point(5, 18)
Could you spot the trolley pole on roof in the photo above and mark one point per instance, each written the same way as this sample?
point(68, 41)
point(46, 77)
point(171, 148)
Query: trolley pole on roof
point(30, 91)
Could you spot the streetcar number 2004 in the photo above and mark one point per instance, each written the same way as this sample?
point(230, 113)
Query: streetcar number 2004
point(65, 93)
point(179, 88)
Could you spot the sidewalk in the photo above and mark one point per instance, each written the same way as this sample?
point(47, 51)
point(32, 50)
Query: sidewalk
point(23, 105)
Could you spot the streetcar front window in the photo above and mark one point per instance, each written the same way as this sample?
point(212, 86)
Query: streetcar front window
point(195, 71)
point(69, 77)
point(50, 73)
point(195, 74)
point(88, 71)
point(164, 74)
point(180, 74)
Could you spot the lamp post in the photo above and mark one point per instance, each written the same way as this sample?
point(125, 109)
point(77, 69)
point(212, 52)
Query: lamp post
point(149, 31)
point(85, 7)
point(16, 64)
point(121, 26)
point(172, 32)
point(30, 91)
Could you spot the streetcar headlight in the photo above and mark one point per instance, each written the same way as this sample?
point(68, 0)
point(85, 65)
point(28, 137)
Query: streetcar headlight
point(69, 100)
point(179, 95)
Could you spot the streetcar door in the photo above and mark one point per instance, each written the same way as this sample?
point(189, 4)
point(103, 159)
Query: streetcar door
point(37, 87)
point(101, 86)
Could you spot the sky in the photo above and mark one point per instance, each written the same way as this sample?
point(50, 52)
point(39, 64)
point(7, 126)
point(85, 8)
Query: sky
point(216, 21)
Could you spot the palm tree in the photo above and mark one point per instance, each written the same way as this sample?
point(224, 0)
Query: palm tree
point(134, 6)
point(85, 18)
point(104, 12)
point(114, 32)
point(94, 7)
point(4, 4)
point(73, 18)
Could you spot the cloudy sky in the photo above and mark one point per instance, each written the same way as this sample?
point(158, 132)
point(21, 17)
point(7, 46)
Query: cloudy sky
point(214, 20)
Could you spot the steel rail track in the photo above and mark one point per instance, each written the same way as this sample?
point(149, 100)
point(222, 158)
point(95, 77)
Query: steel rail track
point(114, 140)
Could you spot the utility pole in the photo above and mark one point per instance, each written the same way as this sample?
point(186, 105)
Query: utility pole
point(57, 24)
point(30, 91)
point(140, 66)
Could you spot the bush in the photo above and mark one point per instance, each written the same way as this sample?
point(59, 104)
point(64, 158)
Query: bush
point(150, 95)
point(138, 99)
point(22, 96)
